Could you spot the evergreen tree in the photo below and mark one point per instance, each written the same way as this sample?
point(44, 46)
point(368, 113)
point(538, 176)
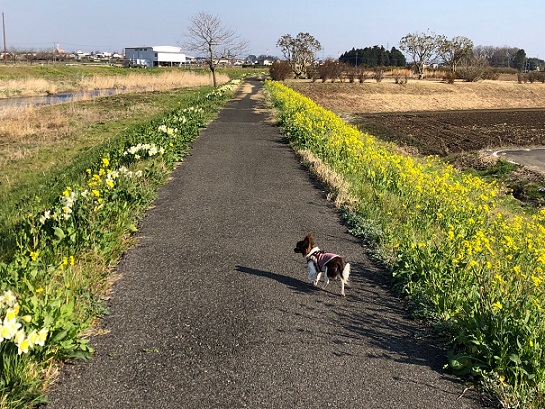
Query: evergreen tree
point(372, 57)
point(520, 60)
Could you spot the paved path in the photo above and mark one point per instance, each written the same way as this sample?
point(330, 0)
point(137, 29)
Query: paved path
point(213, 311)
point(532, 158)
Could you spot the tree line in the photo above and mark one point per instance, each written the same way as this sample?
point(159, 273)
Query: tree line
point(426, 48)
point(457, 56)
point(374, 57)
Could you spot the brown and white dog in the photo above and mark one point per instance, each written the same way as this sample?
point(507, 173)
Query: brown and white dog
point(319, 262)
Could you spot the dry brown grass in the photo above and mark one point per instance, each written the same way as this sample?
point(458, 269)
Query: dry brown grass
point(26, 87)
point(25, 131)
point(22, 134)
point(37, 140)
point(133, 82)
point(424, 95)
point(27, 137)
point(337, 187)
point(142, 82)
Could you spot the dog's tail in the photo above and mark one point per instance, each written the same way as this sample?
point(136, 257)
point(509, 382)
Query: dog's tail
point(346, 272)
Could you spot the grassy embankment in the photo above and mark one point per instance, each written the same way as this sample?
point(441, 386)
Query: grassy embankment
point(467, 256)
point(39, 144)
point(350, 100)
point(24, 81)
point(72, 192)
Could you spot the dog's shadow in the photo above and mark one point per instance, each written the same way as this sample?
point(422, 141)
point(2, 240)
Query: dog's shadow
point(293, 283)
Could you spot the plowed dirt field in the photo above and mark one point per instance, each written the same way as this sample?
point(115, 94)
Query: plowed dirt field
point(439, 118)
point(462, 122)
point(447, 132)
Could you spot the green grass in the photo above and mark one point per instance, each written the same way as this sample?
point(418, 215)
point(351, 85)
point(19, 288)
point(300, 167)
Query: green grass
point(47, 169)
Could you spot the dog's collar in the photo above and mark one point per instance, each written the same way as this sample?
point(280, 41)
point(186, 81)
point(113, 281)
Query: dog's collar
point(311, 252)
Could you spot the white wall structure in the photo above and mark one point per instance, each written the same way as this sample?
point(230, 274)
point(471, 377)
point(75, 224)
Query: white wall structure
point(155, 56)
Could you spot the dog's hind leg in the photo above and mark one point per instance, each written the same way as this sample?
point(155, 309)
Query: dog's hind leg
point(344, 277)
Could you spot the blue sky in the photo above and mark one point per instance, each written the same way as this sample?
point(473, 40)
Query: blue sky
point(111, 25)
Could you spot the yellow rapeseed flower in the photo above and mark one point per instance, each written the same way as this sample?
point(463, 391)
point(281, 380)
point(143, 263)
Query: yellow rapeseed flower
point(537, 280)
point(497, 306)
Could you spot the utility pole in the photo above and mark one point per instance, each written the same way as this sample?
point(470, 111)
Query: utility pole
point(4, 32)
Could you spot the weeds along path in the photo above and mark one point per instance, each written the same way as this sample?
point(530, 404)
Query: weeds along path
point(212, 309)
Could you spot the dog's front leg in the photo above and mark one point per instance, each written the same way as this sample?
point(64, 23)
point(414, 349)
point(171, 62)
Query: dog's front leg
point(318, 278)
point(326, 279)
point(313, 275)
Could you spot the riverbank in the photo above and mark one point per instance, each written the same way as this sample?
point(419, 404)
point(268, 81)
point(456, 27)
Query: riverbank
point(39, 146)
point(34, 81)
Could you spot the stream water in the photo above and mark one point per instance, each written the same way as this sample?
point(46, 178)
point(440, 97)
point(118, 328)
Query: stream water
point(14, 104)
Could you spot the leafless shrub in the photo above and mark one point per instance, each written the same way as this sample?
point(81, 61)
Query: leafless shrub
point(351, 75)
point(362, 76)
point(313, 73)
point(449, 77)
point(536, 76)
point(378, 75)
point(490, 74)
point(473, 69)
point(330, 70)
point(401, 79)
point(280, 70)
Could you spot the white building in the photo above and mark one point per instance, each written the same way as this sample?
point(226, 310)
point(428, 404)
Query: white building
point(156, 56)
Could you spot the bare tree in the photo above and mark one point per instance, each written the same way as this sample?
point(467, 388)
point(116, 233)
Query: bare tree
point(299, 51)
point(455, 50)
point(208, 37)
point(484, 51)
point(422, 47)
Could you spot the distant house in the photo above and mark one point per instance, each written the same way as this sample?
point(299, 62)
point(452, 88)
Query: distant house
point(80, 54)
point(156, 56)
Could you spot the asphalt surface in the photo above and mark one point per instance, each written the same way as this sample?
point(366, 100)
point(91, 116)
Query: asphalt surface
point(213, 310)
point(533, 158)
